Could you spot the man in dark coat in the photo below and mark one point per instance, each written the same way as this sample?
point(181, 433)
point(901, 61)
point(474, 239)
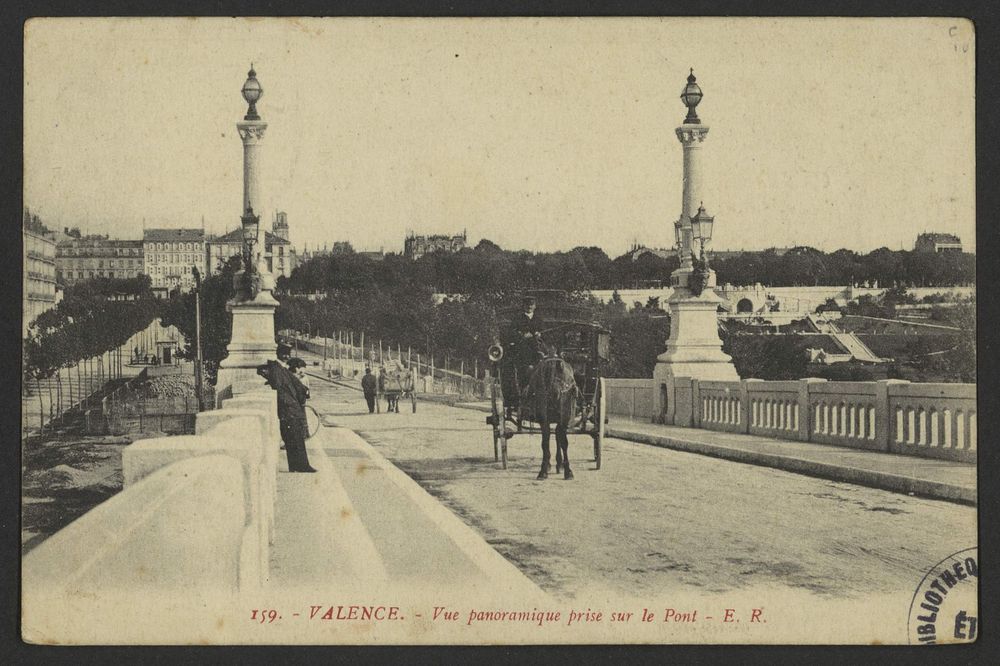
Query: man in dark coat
point(369, 385)
point(292, 396)
point(524, 337)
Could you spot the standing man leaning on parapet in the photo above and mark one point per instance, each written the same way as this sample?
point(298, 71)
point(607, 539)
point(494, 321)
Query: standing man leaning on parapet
point(292, 396)
point(369, 385)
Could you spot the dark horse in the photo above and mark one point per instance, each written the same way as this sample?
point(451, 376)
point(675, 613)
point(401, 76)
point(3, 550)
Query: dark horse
point(550, 398)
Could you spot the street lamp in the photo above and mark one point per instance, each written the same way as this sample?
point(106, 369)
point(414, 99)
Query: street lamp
point(197, 328)
point(252, 91)
point(701, 230)
point(251, 223)
point(691, 95)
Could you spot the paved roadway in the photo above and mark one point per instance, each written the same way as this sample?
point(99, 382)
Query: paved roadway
point(657, 519)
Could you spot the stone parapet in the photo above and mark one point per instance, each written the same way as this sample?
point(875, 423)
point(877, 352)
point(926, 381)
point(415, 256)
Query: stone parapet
point(924, 420)
point(195, 511)
point(181, 526)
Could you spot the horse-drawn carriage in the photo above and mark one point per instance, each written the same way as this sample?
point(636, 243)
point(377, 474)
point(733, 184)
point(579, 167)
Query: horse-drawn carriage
point(549, 375)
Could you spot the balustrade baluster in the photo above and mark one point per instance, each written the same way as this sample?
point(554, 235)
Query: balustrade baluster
point(934, 428)
point(972, 443)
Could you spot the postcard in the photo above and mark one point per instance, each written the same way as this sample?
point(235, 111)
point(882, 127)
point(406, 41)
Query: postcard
point(404, 331)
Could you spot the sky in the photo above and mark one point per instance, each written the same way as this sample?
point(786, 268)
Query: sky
point(539, 134)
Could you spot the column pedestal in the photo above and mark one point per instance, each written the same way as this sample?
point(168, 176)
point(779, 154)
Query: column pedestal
point(694, 348)
point(252, 343)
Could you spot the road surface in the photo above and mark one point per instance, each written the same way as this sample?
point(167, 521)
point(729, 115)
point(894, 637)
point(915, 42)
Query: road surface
point(654, 518)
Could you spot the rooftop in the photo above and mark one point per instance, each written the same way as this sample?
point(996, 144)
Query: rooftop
point(235, 237)
point(98, 241)
point(173, 235)
point(939, 237)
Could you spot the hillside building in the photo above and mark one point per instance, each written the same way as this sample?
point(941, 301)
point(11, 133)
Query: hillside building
point(935, 242)
point(415, 246)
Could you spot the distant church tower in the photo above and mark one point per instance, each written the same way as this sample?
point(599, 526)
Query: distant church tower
point(280, 227)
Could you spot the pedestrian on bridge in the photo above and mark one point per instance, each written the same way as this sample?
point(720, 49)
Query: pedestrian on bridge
point(298, 366)
point(292, 396)
point(369, 385)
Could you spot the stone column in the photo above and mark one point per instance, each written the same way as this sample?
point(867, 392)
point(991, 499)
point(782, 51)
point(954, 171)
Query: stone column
point(691, 138)
point(252, 134)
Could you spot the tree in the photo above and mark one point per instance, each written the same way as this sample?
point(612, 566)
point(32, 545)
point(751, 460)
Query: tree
point(959, 362)
point(770, 357)
point(638, 336)
point(216, 321)
point(86, 324)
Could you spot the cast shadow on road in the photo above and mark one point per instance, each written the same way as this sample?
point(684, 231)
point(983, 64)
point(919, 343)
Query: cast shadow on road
point(399, 426)
point(342, 414)
point(441, 469)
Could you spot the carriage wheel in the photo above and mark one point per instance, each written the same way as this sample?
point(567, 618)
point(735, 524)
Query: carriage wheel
point(497, 419)
point(600, 414)
point(503, 449)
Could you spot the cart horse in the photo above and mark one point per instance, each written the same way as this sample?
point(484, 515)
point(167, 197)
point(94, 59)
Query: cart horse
point(395, 382)
point(556, 382)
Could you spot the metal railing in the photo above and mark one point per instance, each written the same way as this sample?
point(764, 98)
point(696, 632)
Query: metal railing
point(348, 360)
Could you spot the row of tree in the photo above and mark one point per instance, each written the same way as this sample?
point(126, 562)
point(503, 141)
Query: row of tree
point(806, 266)
point(94, 317)
point(462, 329)
point(485, 268)
point(488, 268)
point(410, 318)
point(89, 321)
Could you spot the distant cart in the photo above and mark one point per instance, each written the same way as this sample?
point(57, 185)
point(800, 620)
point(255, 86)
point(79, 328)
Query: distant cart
point(395, 384)
point(582, 342)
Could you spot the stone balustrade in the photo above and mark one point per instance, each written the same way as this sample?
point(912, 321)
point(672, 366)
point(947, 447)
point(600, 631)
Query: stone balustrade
point(927, 420)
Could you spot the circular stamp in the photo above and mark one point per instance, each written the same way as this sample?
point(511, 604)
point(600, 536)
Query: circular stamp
point(945, 605)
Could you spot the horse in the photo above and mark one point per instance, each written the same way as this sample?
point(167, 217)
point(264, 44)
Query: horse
point(550, 398)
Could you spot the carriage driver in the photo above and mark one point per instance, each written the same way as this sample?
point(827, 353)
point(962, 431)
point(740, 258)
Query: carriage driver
point(525, 340)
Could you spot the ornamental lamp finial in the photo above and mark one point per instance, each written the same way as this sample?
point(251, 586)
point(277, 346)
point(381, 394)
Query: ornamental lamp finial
point(691, 96)
point(252, 92)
